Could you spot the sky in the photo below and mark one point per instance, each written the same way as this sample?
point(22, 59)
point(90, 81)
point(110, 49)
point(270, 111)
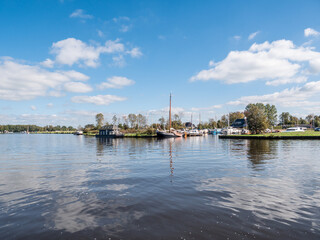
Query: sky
point(64, 61)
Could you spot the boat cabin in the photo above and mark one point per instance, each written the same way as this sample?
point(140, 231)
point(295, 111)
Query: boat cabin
point(109, 131)
point(239, 123)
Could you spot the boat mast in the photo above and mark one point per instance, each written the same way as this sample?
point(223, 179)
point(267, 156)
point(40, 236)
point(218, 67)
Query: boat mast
point(170, 114)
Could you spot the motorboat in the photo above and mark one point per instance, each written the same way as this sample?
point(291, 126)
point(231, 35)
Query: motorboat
point(295, 129)
point(194, 132)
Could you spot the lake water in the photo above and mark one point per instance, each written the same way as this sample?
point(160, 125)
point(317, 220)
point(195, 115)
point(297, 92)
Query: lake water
point(77, 187)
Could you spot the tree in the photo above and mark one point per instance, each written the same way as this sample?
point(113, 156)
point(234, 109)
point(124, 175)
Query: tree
point(284, 118)
point(271, 113)
point(293, 120)
point(256, 117)
point(224, 121)
point(142, 121)
point(114, 119)
point(176, 123)
point(99, 120)
point(162, 122)
point(235, 115)
point(212, 123)
point(132, 119)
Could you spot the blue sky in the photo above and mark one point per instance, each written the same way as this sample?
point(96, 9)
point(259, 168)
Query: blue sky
point(61, 62)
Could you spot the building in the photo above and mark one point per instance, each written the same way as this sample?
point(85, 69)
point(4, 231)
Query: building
point(239, 123)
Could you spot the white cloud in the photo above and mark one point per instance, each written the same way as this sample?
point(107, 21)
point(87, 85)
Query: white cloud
point(77, 87)
point(123, 23)
point(293, 97)
point(119, 61)
point(310, 32)
point(97, 100)
point(135, 52)
point(278, 62)
point(33, 108)
point(73, 51)
point(24, 82)
point(124, 28)
point(121, 18)
point(47, 63)
point(211, 63)
point(206, 108)
point(282, 81)
point(100, 33)
point(116, 82)
point(237, 37)
point(253, 35)
point(79, 13)
point(50, 105)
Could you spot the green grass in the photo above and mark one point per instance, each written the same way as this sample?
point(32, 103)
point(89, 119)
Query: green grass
point(52, 132)
point(306, 133)
point(309, 133)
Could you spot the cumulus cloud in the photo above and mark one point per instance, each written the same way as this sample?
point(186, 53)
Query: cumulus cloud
point(293, 97)
point(118, 61)
point(135, 52)
point(278, 62)
point(116, 82)
point(80, 13)
point(24, 82)
point(47, 63)
point(97, 100)
point(253, 35)
point(77, 87)
point(72, 51)
point(211, 63)
point(310, 32)
point(206, 108)
point(33, 108)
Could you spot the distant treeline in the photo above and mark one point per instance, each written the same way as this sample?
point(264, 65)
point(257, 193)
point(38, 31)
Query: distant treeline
point(34, 128)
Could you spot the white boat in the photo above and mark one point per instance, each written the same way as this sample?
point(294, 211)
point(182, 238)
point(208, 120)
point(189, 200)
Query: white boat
point(194, 132)
point(230, 131)
point(295, 129)
point(78, 133)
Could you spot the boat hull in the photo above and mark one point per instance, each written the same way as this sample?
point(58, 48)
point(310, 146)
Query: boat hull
point(161, 134)
point(110, 136)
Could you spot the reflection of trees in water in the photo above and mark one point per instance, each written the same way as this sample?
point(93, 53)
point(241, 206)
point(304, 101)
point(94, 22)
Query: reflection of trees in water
point(103, 143)
point(107, 146)
point(261, 150)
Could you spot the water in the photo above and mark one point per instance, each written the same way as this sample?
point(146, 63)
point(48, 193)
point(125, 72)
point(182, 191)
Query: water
point(77, 187)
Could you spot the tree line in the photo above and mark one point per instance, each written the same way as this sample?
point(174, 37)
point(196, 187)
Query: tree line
point(34, 128)
point(259, 117)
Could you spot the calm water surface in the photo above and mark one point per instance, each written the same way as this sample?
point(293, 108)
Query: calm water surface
point(77, 187)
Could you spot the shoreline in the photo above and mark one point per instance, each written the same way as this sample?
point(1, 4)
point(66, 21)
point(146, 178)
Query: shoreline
point(271, 137)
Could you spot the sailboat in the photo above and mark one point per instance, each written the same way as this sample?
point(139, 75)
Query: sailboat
point(171, 133)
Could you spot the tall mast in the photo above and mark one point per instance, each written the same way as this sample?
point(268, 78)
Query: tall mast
point(170, 114)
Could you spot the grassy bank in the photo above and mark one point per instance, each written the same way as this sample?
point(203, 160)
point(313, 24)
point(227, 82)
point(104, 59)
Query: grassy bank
point(281, 135)
point(52, 132)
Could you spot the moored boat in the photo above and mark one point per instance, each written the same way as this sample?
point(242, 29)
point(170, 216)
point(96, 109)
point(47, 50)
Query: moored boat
point(172, 132)
point(109, 132)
